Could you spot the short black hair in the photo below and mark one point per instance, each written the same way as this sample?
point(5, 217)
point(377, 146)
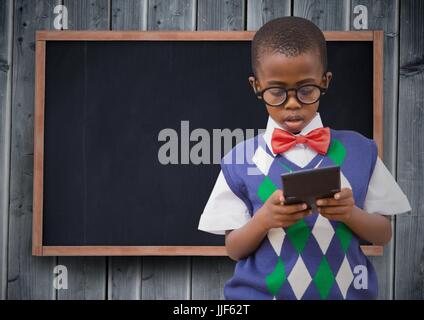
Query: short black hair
point(290, 36)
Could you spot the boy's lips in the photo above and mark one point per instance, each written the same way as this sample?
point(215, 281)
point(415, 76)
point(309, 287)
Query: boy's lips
point(293, 122)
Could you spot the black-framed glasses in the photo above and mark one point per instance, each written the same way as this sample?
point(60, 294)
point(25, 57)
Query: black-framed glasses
point(305, 94)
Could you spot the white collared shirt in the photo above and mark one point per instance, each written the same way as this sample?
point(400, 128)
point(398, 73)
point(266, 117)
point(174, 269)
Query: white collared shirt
point(225, 211)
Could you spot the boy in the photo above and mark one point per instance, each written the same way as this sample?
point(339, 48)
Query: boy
point(287, 251)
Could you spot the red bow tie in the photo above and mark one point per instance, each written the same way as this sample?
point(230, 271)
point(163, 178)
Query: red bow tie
point(318, 139)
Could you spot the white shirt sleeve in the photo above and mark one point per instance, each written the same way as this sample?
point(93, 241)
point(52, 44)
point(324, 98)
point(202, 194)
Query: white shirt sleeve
point(224, 210)
point(384, 194)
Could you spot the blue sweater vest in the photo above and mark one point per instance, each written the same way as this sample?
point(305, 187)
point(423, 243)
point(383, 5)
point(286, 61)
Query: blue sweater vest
point(316, 258)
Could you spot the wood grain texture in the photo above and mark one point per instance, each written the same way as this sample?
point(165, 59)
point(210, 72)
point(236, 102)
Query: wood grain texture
point(151, 35)
point(171, 15)
point(383, 15)
point(166, 278)
point(210, 251)
point(86, 278)
point(220, 15)
point(28, 277)
point(87, 275)
point(326, 14)
point(184, 35)
point(378, 91)
point(6, 14)
point(88, 14)
point(134, 251)
point(409, 276)
point(129, 14)
point(37, 217)
point(124, 278)
point(209, 276)
point(260, 12)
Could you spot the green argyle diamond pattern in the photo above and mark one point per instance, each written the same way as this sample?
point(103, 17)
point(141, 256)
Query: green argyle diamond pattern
point(275, 279)
point(298, 235)
point(345, 235)
point(324, 278)
point(265, 189)
point(336, 152)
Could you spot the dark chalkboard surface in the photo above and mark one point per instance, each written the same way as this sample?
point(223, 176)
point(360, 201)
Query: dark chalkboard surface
point(106, 103)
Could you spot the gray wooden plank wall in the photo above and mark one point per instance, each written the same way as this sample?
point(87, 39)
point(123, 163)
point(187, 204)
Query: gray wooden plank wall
point(5, 121)
point(22, 276)
point(409, 262)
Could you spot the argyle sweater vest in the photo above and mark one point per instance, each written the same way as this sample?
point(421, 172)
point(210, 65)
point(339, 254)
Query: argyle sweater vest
point(315, 258)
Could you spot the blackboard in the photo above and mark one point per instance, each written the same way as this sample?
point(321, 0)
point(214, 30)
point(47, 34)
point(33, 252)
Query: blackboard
point(104, 102)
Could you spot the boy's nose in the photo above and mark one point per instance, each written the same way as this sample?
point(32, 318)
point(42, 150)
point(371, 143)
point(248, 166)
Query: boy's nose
point(291, 101)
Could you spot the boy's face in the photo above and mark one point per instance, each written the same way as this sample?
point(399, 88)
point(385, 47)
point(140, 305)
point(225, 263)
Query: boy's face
point(291, 72)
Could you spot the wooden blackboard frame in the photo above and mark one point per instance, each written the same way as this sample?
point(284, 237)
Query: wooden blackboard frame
point(38, 249)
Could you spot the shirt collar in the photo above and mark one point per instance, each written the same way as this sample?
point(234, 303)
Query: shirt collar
point(271, 125)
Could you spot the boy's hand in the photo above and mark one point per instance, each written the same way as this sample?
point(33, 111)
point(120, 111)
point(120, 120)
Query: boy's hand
point(274, 214)
point(338, 208)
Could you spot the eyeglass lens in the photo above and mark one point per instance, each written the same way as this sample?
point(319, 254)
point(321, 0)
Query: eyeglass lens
point(305, 94)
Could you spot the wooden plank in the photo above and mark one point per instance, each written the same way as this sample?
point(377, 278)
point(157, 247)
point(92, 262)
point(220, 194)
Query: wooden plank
point(153, 35)
point(6, 14)
point(88, 14)
point(383, 15)
point(210, 251)
point(129, 14)
point(124, 273)
point(86, 278)
point(209, 276)
point(124, 278)
point(171, 15)
point(28, 277)
point(409, 278)
point(37, 217)
point(260, 12)
point(87, 275)
point(168, 277)
point(134, 251)
point(326, 14)
point(378, 90)
point(220, 15)
point(185, 35)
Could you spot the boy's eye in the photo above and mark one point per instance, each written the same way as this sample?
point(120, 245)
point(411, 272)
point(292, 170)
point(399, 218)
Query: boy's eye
point(306, 90)
point(309, 92)
point(274, 96)
point(276, 92)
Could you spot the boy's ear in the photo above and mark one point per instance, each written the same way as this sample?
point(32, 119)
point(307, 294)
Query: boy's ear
point(328, 77)
point(252, 82)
